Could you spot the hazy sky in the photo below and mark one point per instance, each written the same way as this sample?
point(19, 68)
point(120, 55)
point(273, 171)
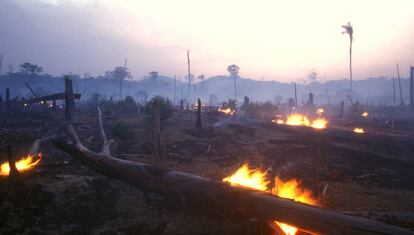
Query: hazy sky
point(270, 39)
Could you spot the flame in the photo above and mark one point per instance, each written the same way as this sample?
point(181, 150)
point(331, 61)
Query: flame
point(365, 114)
point(227, 111)
point(319, 123)
point(257, 179)
point(26, 163)
point(302, 120)
point(320, 111)
point(297, 120)
point(359, 130)
point(278, 121)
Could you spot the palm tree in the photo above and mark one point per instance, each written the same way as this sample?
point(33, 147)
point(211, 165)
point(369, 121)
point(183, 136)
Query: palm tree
point(201, 78)
point(234, 72)
point(350, 31)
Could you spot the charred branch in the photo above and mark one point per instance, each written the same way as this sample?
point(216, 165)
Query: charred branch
point(197, 191)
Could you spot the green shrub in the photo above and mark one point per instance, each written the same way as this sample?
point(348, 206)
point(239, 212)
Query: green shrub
point(120, 130)
point(166, 109)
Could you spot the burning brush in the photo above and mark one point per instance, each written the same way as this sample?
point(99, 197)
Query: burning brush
point(257, 179)
point(302, 120)
point(227, 111)
point(24, 164)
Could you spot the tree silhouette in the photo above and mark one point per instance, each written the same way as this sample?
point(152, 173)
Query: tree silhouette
point(30, 69)
point(201, 77)
point(234, 72)
point(153, 75)
point(350, 31)
point(120, 73)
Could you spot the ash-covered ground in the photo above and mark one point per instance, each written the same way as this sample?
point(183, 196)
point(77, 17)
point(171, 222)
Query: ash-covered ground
point(369, 172)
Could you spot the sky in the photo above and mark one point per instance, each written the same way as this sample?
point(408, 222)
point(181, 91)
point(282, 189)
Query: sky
point(268, 39)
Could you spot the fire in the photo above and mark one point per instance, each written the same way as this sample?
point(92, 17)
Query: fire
point(359, 130)
point(320, 111)
point(365, 114)
point(302, 120)
point(227, 111)
point(257, 179)
point(298, 120)
point(319, 123)
point(26, 163)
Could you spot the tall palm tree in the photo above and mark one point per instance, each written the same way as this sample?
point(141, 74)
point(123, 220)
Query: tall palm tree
point(201, 78)
point(350, 31)
point(234, 72)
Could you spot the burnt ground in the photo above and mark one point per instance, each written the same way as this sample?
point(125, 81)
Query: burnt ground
point(369, 172)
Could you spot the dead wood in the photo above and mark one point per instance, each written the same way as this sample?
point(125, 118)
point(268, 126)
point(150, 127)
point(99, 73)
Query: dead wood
point(200, 192)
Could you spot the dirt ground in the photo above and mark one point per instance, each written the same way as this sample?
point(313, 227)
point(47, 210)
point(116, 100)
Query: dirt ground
point(369, 172)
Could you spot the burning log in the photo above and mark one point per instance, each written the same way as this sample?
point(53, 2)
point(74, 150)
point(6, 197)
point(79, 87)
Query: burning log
point(52, 97)
point(13, 172)
point(197, 191)
point(13, 167)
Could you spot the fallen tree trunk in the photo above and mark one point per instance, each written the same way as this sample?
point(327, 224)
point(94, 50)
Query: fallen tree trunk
point(203, 192)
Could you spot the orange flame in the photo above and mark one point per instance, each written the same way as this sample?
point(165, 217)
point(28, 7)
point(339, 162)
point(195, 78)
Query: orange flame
point(26, 163)
point(257, 179)
point(359, 130)
point(227, 111)
point(302, 120)
point(320, 111)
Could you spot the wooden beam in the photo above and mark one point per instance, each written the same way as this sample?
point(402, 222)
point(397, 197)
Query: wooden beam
point(57, 96)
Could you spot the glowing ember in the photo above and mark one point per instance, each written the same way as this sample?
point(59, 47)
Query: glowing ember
point(359, 130)
point(364, 114)
point(256, 179)
point(297, 120)
point(24, 164)
point(227, 111)
point(320, 111)
point(319, 123)
point(302, 120)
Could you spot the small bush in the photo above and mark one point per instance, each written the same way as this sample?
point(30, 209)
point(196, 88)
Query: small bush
point(166, 109)
point(120, 130)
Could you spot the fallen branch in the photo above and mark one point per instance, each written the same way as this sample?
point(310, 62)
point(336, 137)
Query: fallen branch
point(202, 192)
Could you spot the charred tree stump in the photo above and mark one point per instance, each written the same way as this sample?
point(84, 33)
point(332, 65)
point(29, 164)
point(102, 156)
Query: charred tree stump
point(69, 99)
point(412, 86)
point(296, 96)
point(310, 101)
point(246, 101)
point(181, 105)
point(197, 191)
point(198, 112)
point(342, 108)
point(156, 132)
point(13, 173)
point(2, 109)
point(7, 102)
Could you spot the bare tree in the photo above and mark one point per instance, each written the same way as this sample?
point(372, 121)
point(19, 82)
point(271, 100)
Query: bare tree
point(234, 72)
point(350, 31)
